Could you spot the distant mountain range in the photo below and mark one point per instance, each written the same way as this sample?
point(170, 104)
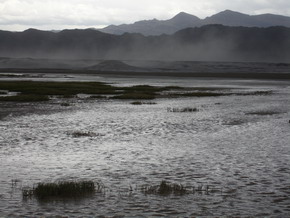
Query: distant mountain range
point(184, 20)
point(206, 43)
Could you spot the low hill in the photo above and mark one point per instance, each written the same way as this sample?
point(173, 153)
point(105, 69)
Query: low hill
point(113, 65)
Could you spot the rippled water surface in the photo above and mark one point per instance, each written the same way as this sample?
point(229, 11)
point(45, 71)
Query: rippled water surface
point(236, 144)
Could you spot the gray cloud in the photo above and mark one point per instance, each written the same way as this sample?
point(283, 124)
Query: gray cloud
point(60, 14)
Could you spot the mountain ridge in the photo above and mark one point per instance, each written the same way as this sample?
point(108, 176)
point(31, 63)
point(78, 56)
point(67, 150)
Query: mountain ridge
point(184, 20)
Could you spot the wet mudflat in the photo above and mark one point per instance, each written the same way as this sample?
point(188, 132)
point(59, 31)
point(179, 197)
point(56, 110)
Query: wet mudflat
point(236, 144)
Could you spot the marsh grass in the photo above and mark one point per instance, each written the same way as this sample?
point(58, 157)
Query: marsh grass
point(78, 134)
point(63, 189)
point(57, 88)
point(65, 104)
point(263, 113)
point(143, 92)
point(142, 102)
point(255, 93)
point(40, 91)
point(97, 97)
point(25, 98)
point(235, 122)
point(165, 188)
point(182, 110)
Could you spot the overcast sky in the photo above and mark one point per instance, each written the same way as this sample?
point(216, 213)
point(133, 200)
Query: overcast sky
point(18, 15)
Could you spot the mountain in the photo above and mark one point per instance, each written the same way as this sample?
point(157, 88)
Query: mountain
point(184, 20)
point(156, 27)
point(206, 43)
point(232, 18)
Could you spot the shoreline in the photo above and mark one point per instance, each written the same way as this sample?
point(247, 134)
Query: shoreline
point(234, 75)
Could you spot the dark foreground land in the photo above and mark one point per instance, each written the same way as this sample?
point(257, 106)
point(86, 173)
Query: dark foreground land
point(125, 68)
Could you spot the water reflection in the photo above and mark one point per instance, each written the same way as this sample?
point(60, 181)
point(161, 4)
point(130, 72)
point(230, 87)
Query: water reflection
point(222, 145)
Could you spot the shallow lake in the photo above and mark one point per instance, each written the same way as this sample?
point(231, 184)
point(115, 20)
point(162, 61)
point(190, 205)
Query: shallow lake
point(238, 145)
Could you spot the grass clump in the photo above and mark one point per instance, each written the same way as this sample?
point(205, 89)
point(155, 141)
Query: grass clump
point(78, 134)
point(97, 97)
point(255, 93)
point(165, 188)
point(263, 113)
point(182, 110)
point(64, 189)
point(140, 92)
point(65, 104)
point(142, 102)
point(137, 102)
point(62, 89)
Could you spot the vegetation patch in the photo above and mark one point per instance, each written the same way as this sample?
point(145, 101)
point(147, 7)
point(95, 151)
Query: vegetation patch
point(40, 91)
point(11, 75)
point(97, 97)
point(65, 104)
point(255, 93)
point(142, 102)
point(63, 189)
point(64, 89)
point(78, 134)
point(182, 110)
point(25, 98)
point(165, 188)
point(234, 122)
point(263, 113)
point(143, 92)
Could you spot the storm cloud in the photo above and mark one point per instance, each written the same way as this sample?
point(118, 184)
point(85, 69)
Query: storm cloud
point(18, 15)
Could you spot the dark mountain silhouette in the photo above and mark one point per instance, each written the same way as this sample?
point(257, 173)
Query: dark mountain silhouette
point(184, 20)
point(155, 27)
point(207, 43)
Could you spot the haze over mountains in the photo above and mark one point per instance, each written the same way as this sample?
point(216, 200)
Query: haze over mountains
point(207, 43)
point(184, 20)
point(211, 42)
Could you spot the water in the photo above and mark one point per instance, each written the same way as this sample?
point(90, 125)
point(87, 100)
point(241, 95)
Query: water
point(227, 144)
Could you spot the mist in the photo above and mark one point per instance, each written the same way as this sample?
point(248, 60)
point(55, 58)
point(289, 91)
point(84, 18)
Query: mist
point(207, 43)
